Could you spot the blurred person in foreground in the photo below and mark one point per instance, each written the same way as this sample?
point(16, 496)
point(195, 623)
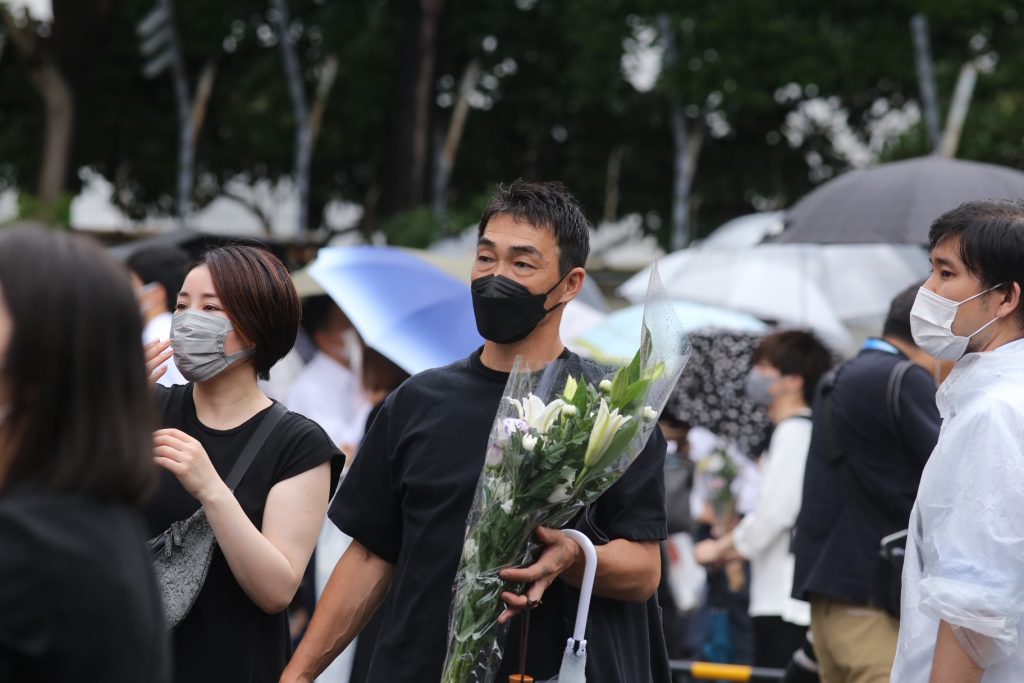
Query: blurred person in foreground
point(963, 581)
point(237, 314)
point(836, 544)
point(157, 273)
point(406, 497)
point(78, 599)
point(787, 367)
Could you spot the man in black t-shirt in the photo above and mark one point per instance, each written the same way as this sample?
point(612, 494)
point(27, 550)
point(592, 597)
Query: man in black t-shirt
point(407, 495)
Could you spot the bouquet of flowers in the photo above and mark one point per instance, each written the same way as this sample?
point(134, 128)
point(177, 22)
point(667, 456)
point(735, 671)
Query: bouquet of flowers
point(561, 437)
point(718, 471)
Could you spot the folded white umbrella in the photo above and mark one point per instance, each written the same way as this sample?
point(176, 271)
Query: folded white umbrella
point(574, 661)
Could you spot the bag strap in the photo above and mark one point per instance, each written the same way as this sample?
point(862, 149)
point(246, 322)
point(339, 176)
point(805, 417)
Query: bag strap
point(255, 443)
point(892, 394)
point(836, 456)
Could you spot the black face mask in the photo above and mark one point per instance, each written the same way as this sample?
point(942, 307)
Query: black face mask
point(506, 311)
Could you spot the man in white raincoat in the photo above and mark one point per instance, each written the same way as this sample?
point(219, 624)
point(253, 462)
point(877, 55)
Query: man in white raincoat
point(963, 580)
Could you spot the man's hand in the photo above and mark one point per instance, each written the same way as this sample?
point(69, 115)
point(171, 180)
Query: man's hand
point(560, 554)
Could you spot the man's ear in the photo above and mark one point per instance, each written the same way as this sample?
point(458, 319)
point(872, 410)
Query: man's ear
point(1011, 300)
point(573, 284)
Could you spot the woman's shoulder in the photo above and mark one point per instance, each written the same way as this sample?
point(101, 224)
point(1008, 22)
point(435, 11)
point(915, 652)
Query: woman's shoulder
point(302, 444)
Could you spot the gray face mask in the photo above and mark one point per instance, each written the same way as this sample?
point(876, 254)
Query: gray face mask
point(198, 342)
point(759, 387)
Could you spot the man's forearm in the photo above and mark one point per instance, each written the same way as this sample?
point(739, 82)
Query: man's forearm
point(626, 570)
point(951, 663)
point(356, 588)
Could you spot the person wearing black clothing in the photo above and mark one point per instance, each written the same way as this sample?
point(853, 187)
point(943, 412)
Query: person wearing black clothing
point(407, 495)
point(78, 599)
point(836, 544)
point(237, 314)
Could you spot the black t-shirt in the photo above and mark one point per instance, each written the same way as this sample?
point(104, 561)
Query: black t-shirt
point(78, 601)
point(836, 545)
point(226, 637)
point(406, 499)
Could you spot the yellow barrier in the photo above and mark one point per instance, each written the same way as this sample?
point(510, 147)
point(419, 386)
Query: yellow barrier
point(711, 671)
point(721, 672)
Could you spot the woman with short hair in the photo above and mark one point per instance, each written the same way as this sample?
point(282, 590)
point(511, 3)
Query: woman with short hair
point(78, 600)
point(237, 314)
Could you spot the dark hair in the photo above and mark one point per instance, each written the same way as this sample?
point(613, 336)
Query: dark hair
point(259, 299)
point(316, 313)
point(796, 352)
point(897, 322)
point(990, 235)
point(545, 205)
point(379, 373)
point(81, 409)
point(165, 264)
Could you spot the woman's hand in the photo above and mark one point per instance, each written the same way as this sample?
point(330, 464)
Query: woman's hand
point(185, 458)
point(157, 352)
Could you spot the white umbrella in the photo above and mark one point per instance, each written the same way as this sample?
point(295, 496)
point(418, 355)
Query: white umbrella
point(824, 287)
point(574, 661)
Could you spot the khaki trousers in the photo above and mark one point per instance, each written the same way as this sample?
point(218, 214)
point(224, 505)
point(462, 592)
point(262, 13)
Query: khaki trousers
point(853, 643)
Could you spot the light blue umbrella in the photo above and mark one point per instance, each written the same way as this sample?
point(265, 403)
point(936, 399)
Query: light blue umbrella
point(618, 337)
point(407, 309)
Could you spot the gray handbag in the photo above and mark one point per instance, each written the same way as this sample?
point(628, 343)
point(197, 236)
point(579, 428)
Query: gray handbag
point(181, 554)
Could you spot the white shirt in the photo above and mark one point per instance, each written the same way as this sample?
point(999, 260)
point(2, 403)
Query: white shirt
point(965, 550)
point(763, 536)
point(328, 393)
point(160, 328)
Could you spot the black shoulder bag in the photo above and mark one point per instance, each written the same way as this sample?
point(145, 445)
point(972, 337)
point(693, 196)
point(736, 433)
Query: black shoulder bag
point(181, 554)
point(893, 543)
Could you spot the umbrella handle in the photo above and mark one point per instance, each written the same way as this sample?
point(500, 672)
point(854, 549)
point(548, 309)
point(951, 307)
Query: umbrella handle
point(587, 586)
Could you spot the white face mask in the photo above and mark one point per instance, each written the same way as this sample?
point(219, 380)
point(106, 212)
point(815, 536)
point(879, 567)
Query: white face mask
point(931, 324)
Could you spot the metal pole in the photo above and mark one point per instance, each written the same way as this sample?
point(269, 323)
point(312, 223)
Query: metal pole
point(183, 100)
point(958, 111)
point(926, 78)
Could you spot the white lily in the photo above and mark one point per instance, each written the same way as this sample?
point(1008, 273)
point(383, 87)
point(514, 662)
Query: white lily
point(607, 423)
point(536, 413)
point(570, 388)
point(469, 551)
point(529, 442)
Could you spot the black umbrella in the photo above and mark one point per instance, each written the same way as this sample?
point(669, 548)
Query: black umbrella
point(895, 203)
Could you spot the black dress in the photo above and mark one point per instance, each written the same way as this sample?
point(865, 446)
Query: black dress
point(226, 637)
point(78, 601)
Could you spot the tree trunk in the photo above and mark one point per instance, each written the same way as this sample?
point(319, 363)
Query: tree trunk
point(58, 108)
point(300, 110)
point(60, 121)
point(414, 92)
point(611, 184)
point(450, 148)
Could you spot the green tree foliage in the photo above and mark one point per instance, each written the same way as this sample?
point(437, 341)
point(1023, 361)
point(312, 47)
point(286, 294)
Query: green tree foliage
point(552, 100)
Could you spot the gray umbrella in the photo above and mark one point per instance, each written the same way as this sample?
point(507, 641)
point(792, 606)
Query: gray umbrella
point(895, 203)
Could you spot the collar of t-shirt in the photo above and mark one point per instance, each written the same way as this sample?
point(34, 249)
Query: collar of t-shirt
point(496, 375)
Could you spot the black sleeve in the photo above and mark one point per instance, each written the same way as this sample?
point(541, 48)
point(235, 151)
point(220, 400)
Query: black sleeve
point(22, 599)
point(633, 508)
point(368, 506)
point(919, 416)
point(308, 446)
